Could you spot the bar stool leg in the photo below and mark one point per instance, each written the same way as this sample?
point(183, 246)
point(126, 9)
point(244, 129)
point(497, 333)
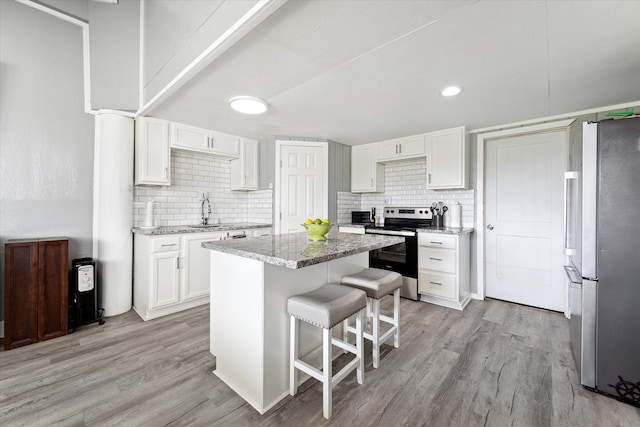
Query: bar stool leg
point(396, 317)
point(327, 386)
point(293, 355)
point(345, 332)
point(375, 320)
point(359, 348)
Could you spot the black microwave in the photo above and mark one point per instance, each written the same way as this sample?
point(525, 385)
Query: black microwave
point(360, 217)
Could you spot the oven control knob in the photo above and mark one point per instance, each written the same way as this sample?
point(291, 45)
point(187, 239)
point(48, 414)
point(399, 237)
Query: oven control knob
point(421, 212)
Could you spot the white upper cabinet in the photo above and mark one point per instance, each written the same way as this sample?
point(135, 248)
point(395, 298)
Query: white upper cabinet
point(401, 149)
point(152, 152)
point(244, 170)
point(446, 159)
point(367, 176)
point(191, 138)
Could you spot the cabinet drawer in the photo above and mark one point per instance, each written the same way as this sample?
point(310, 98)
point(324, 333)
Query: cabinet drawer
point(437, 240)
point(163, 244)
point(437, 259)
point(441, 285)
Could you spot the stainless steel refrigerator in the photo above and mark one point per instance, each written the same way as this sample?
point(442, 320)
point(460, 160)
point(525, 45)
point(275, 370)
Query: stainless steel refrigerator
point(602, 244)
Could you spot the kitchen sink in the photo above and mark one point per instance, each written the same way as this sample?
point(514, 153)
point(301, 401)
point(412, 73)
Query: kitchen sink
point(204, 226)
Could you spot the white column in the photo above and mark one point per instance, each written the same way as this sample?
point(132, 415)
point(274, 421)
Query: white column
point(113, 211)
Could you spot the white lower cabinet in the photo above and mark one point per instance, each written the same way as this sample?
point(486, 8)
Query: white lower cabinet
point(443, 269)
point(171, 273)
point(165, 279)
point(261, 232)
point(196, 271)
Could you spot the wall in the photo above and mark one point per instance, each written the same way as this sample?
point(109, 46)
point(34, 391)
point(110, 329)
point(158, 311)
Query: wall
point(191, 174)
point(46, 139)
point(114, 54)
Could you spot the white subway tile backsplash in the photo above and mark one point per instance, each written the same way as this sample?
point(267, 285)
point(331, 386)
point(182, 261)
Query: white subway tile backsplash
point(406, 185)
point(192, 174)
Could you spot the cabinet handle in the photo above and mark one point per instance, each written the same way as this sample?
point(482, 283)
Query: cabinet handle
point(371, 182)
point(399, 148)
point(435, 259)
point(429, 178)
point(165, 172)
point(168, 244)
point(436, 283)
point(396, 148)
point(244, 180)
point(178, 263)
point(436, 243)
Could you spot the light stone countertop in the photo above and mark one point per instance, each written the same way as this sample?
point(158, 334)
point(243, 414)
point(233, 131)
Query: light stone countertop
point(183, 229)
point(445, 230)
point(295, 250)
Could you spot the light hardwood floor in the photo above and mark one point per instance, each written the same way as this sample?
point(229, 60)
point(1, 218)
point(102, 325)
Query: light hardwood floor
point(495, 364)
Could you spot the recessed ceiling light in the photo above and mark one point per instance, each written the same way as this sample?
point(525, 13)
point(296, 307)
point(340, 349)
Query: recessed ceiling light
point(248, 104)
point(450, 91)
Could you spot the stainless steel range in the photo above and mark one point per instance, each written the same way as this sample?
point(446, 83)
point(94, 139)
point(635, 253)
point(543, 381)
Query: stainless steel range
point(402, 258)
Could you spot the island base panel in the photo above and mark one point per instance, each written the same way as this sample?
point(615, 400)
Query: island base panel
point(249, 322)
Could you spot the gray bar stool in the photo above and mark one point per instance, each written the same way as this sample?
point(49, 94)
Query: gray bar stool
point(326, 307)
point(377, 283)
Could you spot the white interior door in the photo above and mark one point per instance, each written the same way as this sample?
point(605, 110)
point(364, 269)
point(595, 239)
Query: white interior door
point(523, 214)
point(302, 185)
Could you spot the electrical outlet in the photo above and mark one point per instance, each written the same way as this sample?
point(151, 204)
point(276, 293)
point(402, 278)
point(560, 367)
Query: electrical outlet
point(387, 200)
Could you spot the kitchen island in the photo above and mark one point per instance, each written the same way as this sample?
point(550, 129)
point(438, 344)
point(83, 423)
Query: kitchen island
point(251, 281)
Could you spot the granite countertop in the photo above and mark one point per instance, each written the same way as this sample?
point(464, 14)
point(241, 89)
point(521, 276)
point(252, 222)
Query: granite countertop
point(443, 230)
point(446, 230)
point(183, 229)
point(295, 250)
point(354, 225)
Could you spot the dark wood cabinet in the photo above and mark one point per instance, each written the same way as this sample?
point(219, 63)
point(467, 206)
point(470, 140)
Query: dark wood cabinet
point(35, 291)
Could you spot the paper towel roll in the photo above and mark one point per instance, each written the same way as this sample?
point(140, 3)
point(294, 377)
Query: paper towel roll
point(148, 221)
point(455, 215)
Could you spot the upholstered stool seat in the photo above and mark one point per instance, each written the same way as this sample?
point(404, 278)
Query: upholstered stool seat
point(377, 283)
point(326, 307)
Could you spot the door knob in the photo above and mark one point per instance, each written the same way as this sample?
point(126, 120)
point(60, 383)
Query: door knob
point(489, 227)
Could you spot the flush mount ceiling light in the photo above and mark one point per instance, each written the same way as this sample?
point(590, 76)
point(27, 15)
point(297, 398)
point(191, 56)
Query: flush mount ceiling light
point(248, 104)
point(450, 91)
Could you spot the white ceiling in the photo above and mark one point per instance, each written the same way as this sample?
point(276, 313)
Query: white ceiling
point(363, 71)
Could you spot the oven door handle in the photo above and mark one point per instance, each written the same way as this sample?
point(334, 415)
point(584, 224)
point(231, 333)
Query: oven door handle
point(392, 233)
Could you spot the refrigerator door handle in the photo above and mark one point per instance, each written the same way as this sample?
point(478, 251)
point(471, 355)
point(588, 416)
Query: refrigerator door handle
point(573, 275)
point(570, 200)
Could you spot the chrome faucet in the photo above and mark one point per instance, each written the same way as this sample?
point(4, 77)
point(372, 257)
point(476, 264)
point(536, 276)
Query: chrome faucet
point(205, 219)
